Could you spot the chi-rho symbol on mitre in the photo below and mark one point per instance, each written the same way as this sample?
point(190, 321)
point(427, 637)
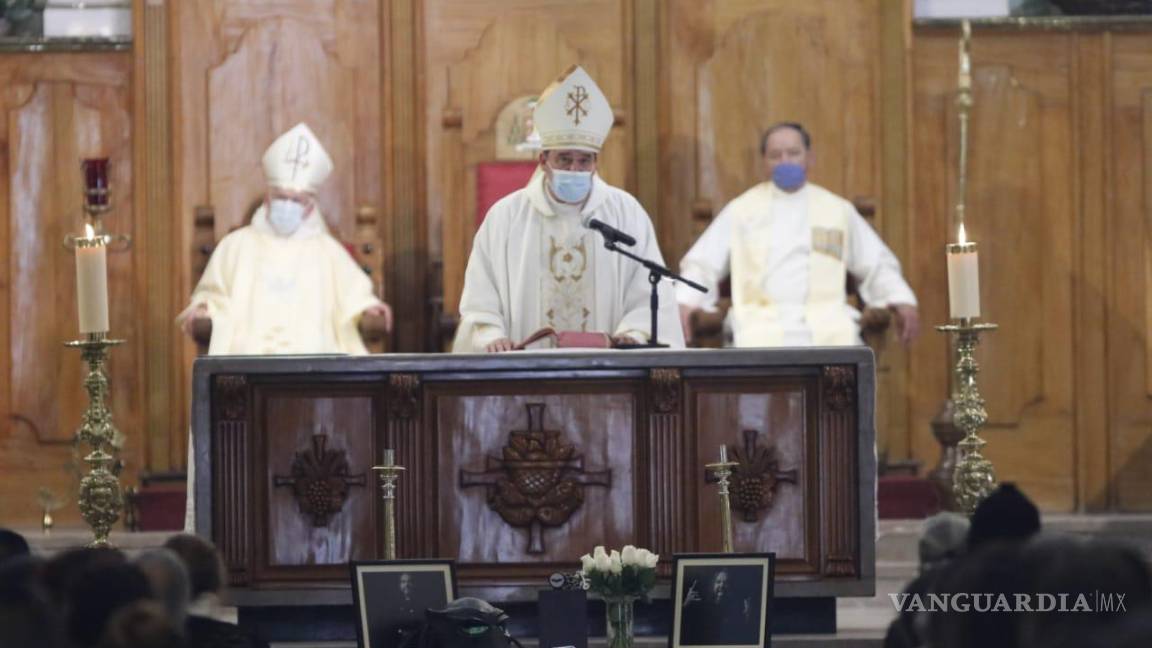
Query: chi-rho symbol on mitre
point(573, 113)
point(297, 161)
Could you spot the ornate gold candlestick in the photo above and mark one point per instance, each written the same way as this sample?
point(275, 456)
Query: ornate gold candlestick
point(100, 497)
point(389, 473)
point(974, 477)
point(722, 470)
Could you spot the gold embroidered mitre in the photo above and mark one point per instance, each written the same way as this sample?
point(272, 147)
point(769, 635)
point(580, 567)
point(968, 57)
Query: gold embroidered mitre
point(296, 161)
point(572, 113)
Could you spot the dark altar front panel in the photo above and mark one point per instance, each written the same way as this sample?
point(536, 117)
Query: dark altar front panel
point(517, 465)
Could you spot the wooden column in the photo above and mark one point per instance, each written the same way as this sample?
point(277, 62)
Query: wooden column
point(156, 236)
point(407, 239)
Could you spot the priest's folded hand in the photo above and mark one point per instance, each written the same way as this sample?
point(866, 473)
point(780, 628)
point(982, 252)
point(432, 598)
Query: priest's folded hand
point(381, 310)
point(500, 346)
point(907, 322)
point(188, 317)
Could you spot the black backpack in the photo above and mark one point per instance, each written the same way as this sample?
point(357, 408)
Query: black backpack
point(465, 623)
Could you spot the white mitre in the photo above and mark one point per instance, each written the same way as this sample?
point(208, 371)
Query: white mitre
point(296, 161)
point(572, 113)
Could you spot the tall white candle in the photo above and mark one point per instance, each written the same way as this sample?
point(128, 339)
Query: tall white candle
point(963, 278)
point(723, 453)
point(92, 283)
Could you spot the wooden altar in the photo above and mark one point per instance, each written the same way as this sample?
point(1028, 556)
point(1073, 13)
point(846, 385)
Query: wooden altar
point(519, 463)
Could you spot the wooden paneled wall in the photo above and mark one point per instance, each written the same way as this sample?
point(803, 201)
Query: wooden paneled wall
point(56, 109)
point(1059, 169)
point(405, 94)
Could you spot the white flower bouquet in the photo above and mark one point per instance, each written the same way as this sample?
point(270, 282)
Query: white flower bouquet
point(628, 573)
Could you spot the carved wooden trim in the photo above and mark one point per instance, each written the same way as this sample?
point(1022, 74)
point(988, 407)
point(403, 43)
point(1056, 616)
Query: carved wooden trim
point(839, 463)
point(320, 481)
point(231, 398)
point(415, 534)
point(662, 453)
point(839, 385)
point(665, 389)
point(230, 467)
point(538, 481)
point(231, 463)
point(403, 395)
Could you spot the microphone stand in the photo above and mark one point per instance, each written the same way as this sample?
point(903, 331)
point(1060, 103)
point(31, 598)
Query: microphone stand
point(655, 273)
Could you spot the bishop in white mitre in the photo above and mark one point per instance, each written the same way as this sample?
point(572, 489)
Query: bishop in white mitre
point(283, 284)
point(534, 263)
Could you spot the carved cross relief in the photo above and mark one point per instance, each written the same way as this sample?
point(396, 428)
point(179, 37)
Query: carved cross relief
point(538, 481)
point(755, 477)
point(320, 480)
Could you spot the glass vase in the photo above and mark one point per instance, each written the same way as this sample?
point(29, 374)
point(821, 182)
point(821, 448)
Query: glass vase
point(619, 613)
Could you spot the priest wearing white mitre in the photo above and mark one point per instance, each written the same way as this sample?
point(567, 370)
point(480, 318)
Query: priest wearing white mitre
point(283, 284)
point(788, 245)
point(534, 263)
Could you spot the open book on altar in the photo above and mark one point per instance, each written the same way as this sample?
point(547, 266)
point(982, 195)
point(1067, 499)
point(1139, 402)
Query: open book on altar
point(568, 339)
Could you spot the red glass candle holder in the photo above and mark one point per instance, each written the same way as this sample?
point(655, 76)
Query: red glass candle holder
point(95, 181)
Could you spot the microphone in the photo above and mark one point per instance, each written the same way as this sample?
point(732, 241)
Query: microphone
point(610, 234)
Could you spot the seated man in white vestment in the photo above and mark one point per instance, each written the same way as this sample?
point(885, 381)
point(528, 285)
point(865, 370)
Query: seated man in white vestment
point(534, 262)
point(788, 245)
point(283, 284)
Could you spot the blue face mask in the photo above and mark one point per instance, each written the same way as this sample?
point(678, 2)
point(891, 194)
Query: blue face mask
point(789, 176)
point(571, 186)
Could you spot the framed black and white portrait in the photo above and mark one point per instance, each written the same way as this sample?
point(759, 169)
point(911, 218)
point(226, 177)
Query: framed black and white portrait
point(722, 600)
point(391, 597)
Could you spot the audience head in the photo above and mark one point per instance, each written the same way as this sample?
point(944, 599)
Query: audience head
point(168, 578)
point(944, 538)
point(988, 571)
point(62, 570)
point(143, 624)
point(1113, 580)
point(97, 593)
point(205, 568)
point(1005, 515)
point(12, 544)
point(27, 617)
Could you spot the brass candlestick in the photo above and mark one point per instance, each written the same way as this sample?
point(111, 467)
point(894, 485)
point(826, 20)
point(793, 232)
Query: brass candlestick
point(389, 474)
point(100, 497)
point(723, 469)
point(974, 478)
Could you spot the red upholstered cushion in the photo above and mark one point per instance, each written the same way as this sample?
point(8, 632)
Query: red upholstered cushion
point(494, 180)
point(905, 498)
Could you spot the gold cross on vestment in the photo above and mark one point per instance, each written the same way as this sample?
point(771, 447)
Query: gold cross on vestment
point(300, 157)
point(574, 107)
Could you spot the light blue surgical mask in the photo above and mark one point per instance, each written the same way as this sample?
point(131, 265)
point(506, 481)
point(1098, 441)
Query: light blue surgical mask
point(571, 186)
point(285, 216)
point(789, 176)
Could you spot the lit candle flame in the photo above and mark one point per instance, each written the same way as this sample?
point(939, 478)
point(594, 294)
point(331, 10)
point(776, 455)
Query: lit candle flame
point(88, 231)
point(961, 235)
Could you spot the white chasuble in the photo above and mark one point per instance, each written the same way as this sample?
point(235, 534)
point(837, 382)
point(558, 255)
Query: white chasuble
point(788, 255)
point(533, 265)
point(269, 295)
